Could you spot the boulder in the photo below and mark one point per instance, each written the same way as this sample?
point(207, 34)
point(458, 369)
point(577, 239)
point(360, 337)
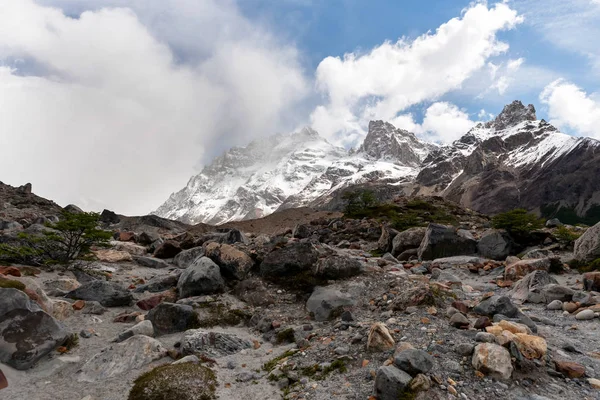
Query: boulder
point(61, 309)
point(553, 292)
point(119, 358)
point(591, 281)
point(200, 278)
point(553, 223)
point(187, 257)
point(61, 285)
point(10, 271)
point(170, 318)
point(379, 338)
point(159, 283)
point(385, 243)
point(495, 244)
point(108, 294)
point(391, 383)
point(407, 240)
point(254, 292)
point(233, 263)
point(587, 246)
point(112, 256)
point(150, 262)
point(142, 328)
point(168, 249)
point(326, 303)
point(288, 261)
point(516, 271)
point(497, 305)
point(212, 344)
point(493, 360)
point(27, 333)
point(301, 231)
point(530, 346)
point(585, 315)
point(570, 369)
point(337, 267)
point(413, 361)
point(131, 248)
point(150, 302)
point(443, 241)
point(528, 288)
point(458, 320)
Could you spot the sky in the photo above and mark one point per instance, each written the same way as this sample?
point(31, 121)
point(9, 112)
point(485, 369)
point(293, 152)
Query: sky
point(117, 103)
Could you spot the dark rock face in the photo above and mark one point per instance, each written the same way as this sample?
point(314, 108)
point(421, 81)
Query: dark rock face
point(168, 249)
point(170, 318)
point(27, 333)
point(202, 277)
point(108, 294)
point(495, 244)
point(109, 217)
point(414, 361)
point(497, 305)
point(391, 383)
point(289, 261)
point(587, 247)
point(442, 241)
point(337, 267)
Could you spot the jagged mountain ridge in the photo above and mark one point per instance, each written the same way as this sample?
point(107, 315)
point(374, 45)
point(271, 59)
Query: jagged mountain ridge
point(512, 161)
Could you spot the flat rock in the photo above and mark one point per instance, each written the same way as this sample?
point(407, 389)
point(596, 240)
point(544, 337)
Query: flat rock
point(150, 262)
point(212, 344)
point(108, 294)
point(119, 358)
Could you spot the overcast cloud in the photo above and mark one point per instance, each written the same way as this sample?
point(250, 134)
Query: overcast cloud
point(116, 103)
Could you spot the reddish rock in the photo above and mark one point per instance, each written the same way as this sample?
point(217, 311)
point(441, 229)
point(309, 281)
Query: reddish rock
point(127, 317)
point(460, 306)
point(12, 271)
point(518, 270)
point(168, 249)
point(3, 381)
point(78, 305)
point(591, 281)
point(150, 302)
point(570, 369)
point(482, 323)
point(126, 236)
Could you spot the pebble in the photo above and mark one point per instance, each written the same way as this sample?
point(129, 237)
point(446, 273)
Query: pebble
point(585, 315)
point(555, 305)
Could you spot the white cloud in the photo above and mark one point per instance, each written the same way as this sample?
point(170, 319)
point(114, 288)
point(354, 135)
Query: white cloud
point(394, 76)
point(104, 111)
point(443, 123)
point(570, 107)
point(503, 75)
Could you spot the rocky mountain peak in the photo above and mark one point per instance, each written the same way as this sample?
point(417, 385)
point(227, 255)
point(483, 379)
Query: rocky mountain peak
point(385, 141)
point(512, 114)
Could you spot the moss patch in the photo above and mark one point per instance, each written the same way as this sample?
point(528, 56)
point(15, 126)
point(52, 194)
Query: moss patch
point(219, 315)
point(270, 365)
point(285, 336)
point(10, 284)
point(186, 381)
point(318, 373)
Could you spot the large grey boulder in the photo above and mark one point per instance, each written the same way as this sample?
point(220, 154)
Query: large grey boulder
point(119, 358)
point(326, 302)
point(528, 288)
point(108, 294)
point(391, 383)
point(200, 278)
point(495, 244)
point(212, 344)
point(443, 241)
point(187, 257)
point(170, 318)
point(413, 361)
point(233, 263)
point(338, 267)
point(27, 333)
point(587, 247)
point(289, 261)
point(407, 240)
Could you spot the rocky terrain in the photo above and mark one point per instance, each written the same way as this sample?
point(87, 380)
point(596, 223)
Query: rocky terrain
point(329, 308)
point(513, 160)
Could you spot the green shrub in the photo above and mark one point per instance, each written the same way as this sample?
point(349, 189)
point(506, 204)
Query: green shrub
point(358, 201)
point(10, 284)
point(187, 381)
point(582, 266)
point(566, 235)
point(519, 223)
point(70, 238)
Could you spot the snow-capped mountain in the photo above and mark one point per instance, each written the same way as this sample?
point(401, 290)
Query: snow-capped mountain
point(513, 161)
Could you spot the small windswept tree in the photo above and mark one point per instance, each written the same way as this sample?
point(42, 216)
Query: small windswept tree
point(70, 238)
point(358, 201)
point(519, 223)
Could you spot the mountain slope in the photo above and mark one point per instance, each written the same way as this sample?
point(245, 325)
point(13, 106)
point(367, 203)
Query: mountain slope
point(513, 161)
